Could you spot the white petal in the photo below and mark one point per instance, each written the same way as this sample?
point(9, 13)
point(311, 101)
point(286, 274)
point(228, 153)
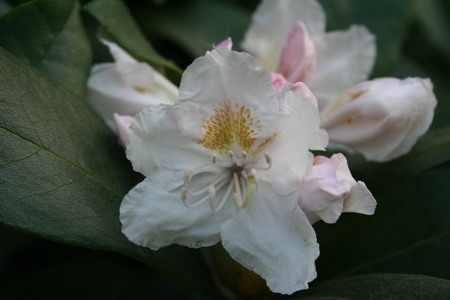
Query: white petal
point(273, 238)
point(126, 86)
point(156, 143)
point(108, 94)
point(273, 21)
point(155, 217)
point(119, 55)
point(223, 75)
point(142, 76)
point(134, 73)
point(343, 59)
point(298, 133)
point(382, 118)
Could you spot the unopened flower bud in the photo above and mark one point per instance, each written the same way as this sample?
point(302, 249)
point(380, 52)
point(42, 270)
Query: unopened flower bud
point(126, 86)
point(381, 118)
point(298, 59)
point(330, 189)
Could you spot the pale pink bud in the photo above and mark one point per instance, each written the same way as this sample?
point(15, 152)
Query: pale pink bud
point(278, 80)
point(227, 44)
point(123, 124)
point(330, 189)
point(381, 118)
point(298, 59)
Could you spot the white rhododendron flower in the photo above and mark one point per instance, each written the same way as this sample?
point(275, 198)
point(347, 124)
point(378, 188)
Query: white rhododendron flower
point(288, 37)
point(125, 87)
point(224, 164)
point(381, 118)
point(330, 190)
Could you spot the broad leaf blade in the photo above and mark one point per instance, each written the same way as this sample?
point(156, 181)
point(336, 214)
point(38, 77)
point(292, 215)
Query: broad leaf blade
point(381, 286)
point(409, 233)
point(197, 25)
point(49, 35)
point(118, 23)
point(62, 175)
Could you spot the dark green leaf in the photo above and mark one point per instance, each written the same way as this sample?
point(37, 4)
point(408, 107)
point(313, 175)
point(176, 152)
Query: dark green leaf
point(409, 233)
point(62, 175)
point(197, 25)
point(431, 150)
point(381, 286)
point(434, 19)
point(49, 35)
point(45, 270)
point(118, 23)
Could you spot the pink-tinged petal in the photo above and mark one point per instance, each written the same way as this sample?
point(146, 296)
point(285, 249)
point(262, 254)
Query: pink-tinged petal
point(343, 59)
point(273, 238)
point(382, 118)
point(278, 80)
point(123, 124)
point(273, 22)
point(227, 44)
point(298, 59)
point(330, 189)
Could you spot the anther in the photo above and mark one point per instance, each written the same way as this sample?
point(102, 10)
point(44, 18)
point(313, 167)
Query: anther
point(244, 154)
point(214, 159)
point(231, 153)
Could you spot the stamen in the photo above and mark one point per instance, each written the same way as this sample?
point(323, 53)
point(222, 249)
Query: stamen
point(184, 193)
point(184, 197)
point(219, 182)
point(214, 159)
point(238, 189)
point(231, 153)
point(236, 200)
point(244, 154)
point(224, 198)
point(212, 192)
point(268, 161)
point(250, 186)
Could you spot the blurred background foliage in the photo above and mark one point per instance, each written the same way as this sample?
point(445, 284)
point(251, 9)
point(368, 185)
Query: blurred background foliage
point(410, 232)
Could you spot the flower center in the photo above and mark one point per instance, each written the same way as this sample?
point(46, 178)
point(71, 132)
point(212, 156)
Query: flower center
point(238, 175)
point(231, 132)
point(230, 125)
